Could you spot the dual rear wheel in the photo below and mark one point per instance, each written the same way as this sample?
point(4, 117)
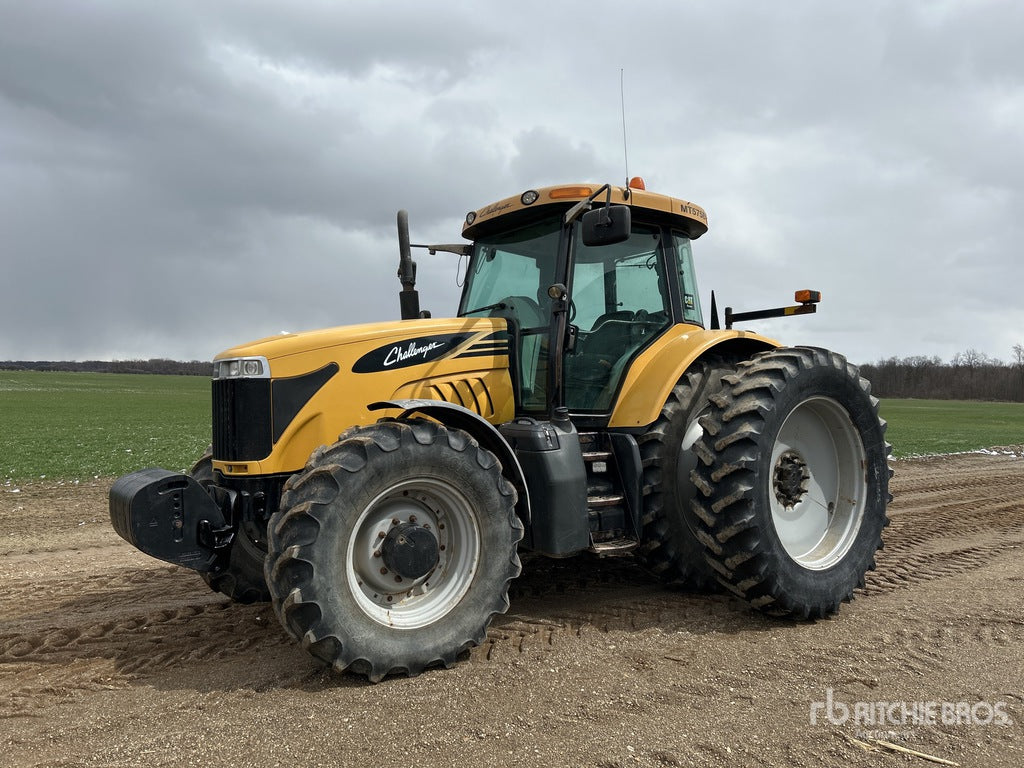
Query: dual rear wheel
point(785, 502)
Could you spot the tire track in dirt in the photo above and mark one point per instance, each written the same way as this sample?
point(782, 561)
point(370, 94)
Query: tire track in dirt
point(961, 496)
point(545, 603)
point(919, 649)
point(910, 568)
point(949, 517)
point(939, 504)
point(554, 604)
point(76, 593)
point(914, 527)
point(98, 624)
point(192, 631)
point(42, 661)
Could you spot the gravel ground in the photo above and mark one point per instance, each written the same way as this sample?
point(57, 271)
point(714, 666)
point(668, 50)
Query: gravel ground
point(110, 658)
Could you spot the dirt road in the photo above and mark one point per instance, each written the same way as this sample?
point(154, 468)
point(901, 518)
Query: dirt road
point(110, 658)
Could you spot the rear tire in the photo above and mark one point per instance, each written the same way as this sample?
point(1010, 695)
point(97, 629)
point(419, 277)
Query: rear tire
point(394, 548)
point(793, 480)
point(670, 549)
point(242, 580)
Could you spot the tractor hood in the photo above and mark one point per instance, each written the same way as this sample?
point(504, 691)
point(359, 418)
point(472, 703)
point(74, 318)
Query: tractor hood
point(277, 399)
point(369, 347)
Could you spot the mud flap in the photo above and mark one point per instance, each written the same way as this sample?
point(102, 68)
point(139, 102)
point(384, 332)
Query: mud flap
point(169, 516)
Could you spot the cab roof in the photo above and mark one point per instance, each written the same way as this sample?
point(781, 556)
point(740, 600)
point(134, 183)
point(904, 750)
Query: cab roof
point(650, 206)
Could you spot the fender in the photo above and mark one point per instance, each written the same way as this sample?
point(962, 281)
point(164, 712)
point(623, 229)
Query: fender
point(660, 366)
point(481, 430)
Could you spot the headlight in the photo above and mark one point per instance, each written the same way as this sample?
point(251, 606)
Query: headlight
point(242, 368)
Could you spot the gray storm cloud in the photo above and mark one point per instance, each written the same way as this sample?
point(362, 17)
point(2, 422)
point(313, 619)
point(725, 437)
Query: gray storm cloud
point(178, 178)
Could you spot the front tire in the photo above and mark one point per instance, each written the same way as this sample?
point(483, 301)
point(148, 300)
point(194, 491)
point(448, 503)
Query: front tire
point(394, 548)
point(793, 482)
point(242, 580)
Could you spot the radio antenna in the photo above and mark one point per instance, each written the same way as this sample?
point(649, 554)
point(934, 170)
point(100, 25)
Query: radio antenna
point(622, 99)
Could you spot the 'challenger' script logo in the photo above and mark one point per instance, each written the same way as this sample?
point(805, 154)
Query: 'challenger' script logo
point(409, 352)
point(398, 355)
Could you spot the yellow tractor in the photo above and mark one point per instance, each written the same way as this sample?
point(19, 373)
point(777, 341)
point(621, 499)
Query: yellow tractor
point(577, 403)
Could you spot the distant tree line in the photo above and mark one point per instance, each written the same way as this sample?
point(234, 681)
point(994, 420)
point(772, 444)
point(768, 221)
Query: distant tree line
point(970, 375)
point(156, 365)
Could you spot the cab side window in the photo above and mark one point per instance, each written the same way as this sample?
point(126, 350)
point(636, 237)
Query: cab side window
point(687, 281)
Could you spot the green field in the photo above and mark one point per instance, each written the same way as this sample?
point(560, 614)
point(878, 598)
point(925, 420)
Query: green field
point(923, 427)
point(83, 425)
point(68, 426)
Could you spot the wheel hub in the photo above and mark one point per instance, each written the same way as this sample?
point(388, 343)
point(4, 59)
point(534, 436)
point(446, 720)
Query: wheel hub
point(790, 478)
point(410, 550)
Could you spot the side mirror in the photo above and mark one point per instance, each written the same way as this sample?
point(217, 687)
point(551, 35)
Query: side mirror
point(606, 226)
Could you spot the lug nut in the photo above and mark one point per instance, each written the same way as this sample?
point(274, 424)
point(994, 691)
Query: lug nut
point(412, 518)
point(383, 571)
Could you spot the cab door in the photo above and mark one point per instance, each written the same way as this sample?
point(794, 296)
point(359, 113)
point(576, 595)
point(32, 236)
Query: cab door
point(620, 302)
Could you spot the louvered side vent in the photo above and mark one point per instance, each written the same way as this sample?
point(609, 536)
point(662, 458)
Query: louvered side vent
point(471, 393)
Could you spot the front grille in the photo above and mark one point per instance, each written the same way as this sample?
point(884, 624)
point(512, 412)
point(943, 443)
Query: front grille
point(241, 419)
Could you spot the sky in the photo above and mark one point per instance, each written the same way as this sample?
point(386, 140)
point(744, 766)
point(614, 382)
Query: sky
point(177, 178)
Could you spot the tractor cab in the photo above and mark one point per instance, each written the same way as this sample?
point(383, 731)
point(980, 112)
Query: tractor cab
point(580, 307)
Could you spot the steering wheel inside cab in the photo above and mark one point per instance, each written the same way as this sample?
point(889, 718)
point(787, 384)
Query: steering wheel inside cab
point(522, 310)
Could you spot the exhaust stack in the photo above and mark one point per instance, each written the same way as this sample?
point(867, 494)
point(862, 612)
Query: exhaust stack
point(408, 297)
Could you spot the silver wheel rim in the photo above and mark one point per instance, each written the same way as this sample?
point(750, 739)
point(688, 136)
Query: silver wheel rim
point(818, 485)
point(401, 603)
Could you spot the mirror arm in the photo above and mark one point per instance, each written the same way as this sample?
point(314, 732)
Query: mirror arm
point(607, 216)
point(462, 249)
point(584, 205)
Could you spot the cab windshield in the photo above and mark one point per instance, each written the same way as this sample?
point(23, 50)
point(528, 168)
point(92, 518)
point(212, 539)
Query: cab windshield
point(508, 277)
point(513, 268)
